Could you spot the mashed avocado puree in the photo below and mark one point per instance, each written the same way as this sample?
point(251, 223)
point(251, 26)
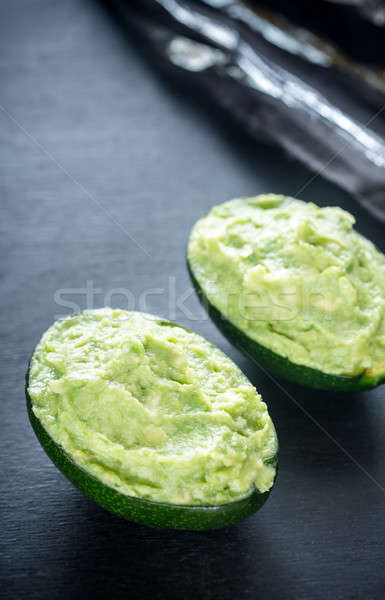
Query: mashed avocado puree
point(297, 279)
point(151, 409)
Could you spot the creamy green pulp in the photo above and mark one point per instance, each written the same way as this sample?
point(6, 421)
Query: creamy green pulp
point(151, 409)
point(296, 278)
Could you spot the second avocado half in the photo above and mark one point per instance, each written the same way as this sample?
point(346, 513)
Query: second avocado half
point(295, 287)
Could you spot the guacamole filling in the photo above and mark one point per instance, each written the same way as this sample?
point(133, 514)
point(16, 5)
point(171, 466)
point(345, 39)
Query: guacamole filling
point(297, 279)
point(151, 409)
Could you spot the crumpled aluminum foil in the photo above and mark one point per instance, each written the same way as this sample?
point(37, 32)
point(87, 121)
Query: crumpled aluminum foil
point(216, 45)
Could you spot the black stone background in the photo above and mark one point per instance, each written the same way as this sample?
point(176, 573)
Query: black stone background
point(89, 127)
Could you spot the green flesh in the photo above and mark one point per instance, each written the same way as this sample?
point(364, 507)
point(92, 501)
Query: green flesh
point(296, 288)
point(151, 421)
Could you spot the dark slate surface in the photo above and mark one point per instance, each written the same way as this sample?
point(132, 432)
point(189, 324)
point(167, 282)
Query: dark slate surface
point(88, 128)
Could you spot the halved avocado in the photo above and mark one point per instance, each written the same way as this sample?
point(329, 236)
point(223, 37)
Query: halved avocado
point(334, 280)
point(280, 365)
point(135, 508)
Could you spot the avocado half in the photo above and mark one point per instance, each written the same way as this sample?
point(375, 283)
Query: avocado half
point(280, 365)
point(139, 510)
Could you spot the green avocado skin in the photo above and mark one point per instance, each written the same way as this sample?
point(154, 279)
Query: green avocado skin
point(145, 512)
point(278, 365)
